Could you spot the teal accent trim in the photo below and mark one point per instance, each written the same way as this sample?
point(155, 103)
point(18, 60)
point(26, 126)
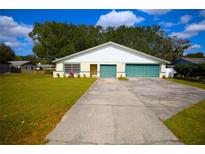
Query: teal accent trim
point(142, 70)
point(108, 71)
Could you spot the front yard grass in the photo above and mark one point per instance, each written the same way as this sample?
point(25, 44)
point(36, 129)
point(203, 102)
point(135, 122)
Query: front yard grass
point(32, 104)
point(190, 83)
point(189, 124)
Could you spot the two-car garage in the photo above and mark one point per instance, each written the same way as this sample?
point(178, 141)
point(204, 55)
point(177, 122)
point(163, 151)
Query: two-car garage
point(131, 70)
point(142, 70)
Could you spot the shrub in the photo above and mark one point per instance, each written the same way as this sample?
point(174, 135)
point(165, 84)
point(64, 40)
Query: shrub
point(15, 70)
point(84, 75)
point(78, 75)
point(58, 75)
point(163, 77)
point(71, 74)
point(190, 71)
point(122, 78)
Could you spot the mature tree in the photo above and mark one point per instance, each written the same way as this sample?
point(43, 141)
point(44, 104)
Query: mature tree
point(55, 40)
point(195, 55)
point(32, 58)
point(18, 58)
point(6, 53)
point(179, 46)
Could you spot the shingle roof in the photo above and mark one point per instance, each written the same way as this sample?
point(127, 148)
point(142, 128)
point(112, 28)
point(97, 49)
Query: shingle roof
point(195, 60)
point(18, 63)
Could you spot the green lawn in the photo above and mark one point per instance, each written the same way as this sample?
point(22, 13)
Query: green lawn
point(190, 83)
point(32, 104)
point(189, 124)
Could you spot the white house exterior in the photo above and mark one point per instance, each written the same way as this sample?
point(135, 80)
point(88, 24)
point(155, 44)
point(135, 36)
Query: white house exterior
point(110, 60)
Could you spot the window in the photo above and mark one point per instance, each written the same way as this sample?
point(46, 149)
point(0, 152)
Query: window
point(75, 68)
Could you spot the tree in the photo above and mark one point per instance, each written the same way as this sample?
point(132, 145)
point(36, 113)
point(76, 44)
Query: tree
point(32, 58)
point(190, 70)
point(195, 55)
point(55, 40)
point(6, 53)
point(18, 58)
point(179, 46)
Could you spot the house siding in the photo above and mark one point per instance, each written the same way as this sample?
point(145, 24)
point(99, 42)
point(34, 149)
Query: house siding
point(85, 69)
point(28, 67)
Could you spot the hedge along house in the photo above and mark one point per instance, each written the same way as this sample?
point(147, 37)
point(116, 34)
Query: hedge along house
point(110, 60)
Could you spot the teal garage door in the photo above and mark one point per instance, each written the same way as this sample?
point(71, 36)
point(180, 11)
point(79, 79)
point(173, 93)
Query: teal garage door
point(142, 70)
point(108, 71)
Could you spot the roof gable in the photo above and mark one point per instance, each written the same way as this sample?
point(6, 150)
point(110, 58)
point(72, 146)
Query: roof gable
point(116, 46)
point(195, 60)
point(18, 63)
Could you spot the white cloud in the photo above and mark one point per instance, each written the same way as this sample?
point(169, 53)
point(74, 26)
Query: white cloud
point(202, 13)
point(190, 30)
point(12, 43)
point(10, 30)
point(183, 35)
point(194, 46)
point(116, 19)
point(16, 43)
point(196, 27)
point(167, 24)
point(185, 19)
point(156, 11)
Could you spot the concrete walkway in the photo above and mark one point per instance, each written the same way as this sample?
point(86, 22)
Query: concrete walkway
point(124, 112)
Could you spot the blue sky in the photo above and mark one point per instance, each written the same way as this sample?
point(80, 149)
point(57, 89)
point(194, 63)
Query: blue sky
point(187, 24)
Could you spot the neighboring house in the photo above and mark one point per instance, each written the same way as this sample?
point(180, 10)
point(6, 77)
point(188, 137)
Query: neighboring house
point(23, 65)
point(45, 66)
point(185, 60)
point(4, 67)
point(110, 60)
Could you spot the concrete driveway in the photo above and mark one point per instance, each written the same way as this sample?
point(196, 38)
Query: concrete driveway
point(125, 112)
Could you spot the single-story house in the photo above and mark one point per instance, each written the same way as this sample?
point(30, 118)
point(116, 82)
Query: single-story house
point(185, 60)
point(4, 67)
point(45, 66)
point(110, 60)
point(23, 65)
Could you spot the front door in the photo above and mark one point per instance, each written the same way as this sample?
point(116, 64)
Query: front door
point(93, 70)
